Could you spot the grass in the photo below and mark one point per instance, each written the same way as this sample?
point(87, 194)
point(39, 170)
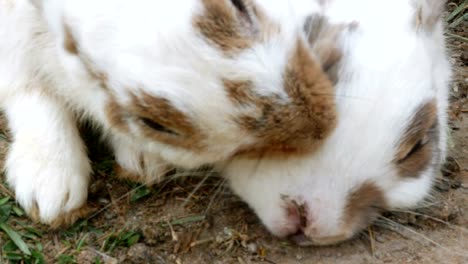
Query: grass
point(21, 239)
point(20, 242)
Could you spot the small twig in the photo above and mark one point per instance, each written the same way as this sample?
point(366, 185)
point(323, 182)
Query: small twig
point(61, 252)
point(175, 238)
point(241, 260)
point(106, 257)
point(371, 240)
point(200, 242)
point(185, 220)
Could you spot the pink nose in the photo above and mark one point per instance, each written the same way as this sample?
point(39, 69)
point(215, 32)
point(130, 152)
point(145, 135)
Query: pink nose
point(300, 226)
point(297, 217)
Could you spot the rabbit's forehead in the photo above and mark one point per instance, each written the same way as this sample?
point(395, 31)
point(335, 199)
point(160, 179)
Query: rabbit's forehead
point(298, 122)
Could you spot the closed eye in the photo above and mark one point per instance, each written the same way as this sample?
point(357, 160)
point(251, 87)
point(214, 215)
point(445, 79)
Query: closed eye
point(415, 149)
point(157, 127)
point(240, 5)
point(242, 9)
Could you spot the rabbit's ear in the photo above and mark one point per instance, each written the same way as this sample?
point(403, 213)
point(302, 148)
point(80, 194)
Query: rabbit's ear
point(428, 13)
point(323, 37)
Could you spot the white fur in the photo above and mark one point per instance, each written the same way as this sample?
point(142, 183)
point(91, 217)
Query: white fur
point(389, 70)
point(143, 46)
point(47, 164)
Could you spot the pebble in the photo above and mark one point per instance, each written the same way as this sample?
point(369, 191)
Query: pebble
point(141, 253)
point(89, 256)
point(109, 215)
point(379, 238)
point(464, 180)
point(103, 201)
point(252, 248)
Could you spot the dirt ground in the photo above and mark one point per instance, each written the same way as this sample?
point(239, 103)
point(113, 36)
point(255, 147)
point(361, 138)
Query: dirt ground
point(197, 220)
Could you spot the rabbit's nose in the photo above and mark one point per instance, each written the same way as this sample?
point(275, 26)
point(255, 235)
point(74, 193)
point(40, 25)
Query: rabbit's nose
point(304, 230)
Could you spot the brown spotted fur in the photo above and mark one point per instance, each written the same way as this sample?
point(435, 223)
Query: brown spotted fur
point(363, 205)
point(423, 127)
point(230, 30)
point(297, 126)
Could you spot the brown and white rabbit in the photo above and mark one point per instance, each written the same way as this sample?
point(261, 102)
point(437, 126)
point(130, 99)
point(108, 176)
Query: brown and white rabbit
point(171, 83)
point(390, 138)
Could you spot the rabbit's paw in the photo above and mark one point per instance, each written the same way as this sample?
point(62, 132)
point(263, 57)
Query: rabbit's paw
point(51, 191)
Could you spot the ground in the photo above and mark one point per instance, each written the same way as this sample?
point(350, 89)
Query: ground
point(197, 220)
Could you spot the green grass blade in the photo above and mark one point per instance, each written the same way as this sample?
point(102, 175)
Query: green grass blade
point(457, 37)
point(458, 21)
point(16, 238)
point(4, 200)
point(188, 220)
point(457, 11)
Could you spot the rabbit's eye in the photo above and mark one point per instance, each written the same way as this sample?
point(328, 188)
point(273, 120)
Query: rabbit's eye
point(240, 5)
point(242, 8)
point(416, 148)
point(156, 126)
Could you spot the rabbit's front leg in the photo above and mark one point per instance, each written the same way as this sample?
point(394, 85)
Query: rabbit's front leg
point(47, 164)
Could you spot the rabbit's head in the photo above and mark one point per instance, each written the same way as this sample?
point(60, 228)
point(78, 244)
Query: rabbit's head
point(390, 138)
point(198, 81)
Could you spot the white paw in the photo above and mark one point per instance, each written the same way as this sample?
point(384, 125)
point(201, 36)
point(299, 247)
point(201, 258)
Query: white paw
point(49, 188)
point(138, 165)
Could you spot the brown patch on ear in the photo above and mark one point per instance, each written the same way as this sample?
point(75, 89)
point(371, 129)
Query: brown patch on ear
point(363, 205)
point(299, 124)
point(220, 25)
point(72, 46)
point(174, 127)
point(416, 147)
point(233, 30)
point(428, 13)
point(323, 38)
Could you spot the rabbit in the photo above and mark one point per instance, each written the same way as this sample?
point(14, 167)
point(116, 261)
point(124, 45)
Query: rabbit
point(170, 84)
point(390, 137)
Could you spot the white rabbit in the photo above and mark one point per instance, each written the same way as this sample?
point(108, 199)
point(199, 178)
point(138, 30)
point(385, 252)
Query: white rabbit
point(391, 131)
point(171, 83)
